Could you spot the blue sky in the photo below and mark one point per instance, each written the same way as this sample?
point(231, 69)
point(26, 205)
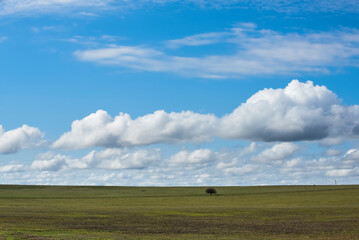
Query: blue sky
point(167, 92)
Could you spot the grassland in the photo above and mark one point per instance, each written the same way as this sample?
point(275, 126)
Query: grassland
point(278, 212)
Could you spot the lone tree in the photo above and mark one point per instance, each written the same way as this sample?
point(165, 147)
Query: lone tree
point(211, 191)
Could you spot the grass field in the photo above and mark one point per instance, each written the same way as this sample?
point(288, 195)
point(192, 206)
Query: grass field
point(278, 212)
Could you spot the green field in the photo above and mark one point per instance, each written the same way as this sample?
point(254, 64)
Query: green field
point(274, 212)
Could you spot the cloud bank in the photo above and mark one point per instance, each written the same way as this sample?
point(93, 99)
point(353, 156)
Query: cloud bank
point(254, 164)
point(298, 112)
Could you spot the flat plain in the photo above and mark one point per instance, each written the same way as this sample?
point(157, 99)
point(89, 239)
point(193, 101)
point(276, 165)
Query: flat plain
point(270, 212)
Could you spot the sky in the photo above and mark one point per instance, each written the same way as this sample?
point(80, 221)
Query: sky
point(179, 93)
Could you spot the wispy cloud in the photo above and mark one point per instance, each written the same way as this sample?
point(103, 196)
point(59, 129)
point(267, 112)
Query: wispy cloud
point(91, 7)
point(198, 39)
point(95, 42)
point(287, 6)
point(2, 39)
point(42, 29)
point(31, 7)
point(305, 5)
point(256, 52)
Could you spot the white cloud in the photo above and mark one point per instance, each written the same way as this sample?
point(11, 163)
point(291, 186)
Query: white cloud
point(246, 169)
point(20, 138)
point(121, 158)
point(197, 40)
point(287, 6)
point(305, 5)
point(340, 172)
point(85, 7)
point(103, 179)
point(332, 152)
point(106, 159)
point(249, 149)
point(99, 129)
point(140, 58)
point(331, 141)
point(31, 7)
point(231, 159)
point(197, 167)
point(194, 157)
point(352, 154)
point(343, 167)
point(277, 153)
point(40, 29)
point(300, 111)
point(351, 157)
point(293, 162)
point(12, 168)
point(256, 52)
point(55, 162)
point(89, 14)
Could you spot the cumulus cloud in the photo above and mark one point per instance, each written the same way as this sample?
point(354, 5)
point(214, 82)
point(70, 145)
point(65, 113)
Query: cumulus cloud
point(193, 157)
point(329, 165)
point(332, 152)
point(300, 111)
point(277, 153)
point(341, 172)
point(293, 162)
point(121, 158)
point(20, 138)
point(129, 166)
point(100, 129)
point(55, 162)
point(12, 168)
point(246, 169)
point(105, 159)
point(255, 52)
